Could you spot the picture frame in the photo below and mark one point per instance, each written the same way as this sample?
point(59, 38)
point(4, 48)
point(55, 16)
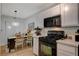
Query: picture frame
point(31, 26)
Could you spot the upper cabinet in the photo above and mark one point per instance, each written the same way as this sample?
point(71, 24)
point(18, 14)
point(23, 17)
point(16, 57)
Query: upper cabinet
point(52, 11)
point(56, 10)
point(68, 11)
point(69, 14)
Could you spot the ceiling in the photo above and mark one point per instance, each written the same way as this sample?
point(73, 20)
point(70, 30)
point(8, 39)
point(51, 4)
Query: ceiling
point(24, 10)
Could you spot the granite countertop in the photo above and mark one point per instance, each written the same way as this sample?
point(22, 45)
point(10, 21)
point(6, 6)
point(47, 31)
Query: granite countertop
point(68, 42)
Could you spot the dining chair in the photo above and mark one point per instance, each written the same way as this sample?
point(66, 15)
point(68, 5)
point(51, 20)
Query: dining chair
point(19, 41)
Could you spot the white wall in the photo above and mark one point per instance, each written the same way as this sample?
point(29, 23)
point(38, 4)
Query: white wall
point(0, 23)
point(0, 16)
point(7, 21)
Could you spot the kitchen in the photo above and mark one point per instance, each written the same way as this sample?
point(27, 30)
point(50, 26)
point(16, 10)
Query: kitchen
point(68, 22)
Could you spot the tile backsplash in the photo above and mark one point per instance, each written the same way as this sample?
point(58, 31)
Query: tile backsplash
point(68, 30)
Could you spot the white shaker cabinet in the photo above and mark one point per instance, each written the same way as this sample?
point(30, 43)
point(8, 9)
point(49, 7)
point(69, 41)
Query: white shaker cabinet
point(36, 45)
point(67, 47)
point(65, 50)
point(69, 14)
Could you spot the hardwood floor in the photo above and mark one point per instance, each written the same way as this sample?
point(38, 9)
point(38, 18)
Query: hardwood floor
point(24, 52)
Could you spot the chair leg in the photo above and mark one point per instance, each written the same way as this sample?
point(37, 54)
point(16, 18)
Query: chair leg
point(16, 48)
point(22, 46)
point(31, 43)
point(9, 50)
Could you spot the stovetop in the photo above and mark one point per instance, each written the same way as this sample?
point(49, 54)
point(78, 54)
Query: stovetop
point(52, 37)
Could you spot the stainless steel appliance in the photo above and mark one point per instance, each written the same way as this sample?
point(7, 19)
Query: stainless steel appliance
point(54, 21)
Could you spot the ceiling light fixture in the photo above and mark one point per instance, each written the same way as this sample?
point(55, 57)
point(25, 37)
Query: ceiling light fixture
point(9, 27)
point(66, 8)
point(15, 24)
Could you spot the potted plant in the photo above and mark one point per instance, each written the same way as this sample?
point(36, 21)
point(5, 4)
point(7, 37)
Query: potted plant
point(38, 31)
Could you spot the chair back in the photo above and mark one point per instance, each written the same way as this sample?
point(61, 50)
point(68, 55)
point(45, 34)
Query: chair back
point(29, 36)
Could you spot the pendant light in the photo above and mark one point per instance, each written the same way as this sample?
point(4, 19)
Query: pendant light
point(15, 23)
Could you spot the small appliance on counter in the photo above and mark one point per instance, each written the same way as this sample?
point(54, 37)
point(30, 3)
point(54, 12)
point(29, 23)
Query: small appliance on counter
point(74, 37)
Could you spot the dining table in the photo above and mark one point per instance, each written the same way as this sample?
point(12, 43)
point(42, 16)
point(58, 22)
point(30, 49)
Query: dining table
point(11, 42)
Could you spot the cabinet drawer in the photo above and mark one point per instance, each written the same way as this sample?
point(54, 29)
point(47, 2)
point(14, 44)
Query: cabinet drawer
point(66, 48)
point(64, 53)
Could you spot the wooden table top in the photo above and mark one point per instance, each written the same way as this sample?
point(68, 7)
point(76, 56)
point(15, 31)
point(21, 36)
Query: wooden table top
point(15, 37)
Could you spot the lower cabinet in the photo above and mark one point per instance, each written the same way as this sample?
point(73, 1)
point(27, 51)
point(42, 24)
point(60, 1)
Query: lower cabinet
point(36, 45)
point(66, 50)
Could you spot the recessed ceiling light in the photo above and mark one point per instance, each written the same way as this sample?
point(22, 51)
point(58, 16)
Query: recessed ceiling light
point(66, 8)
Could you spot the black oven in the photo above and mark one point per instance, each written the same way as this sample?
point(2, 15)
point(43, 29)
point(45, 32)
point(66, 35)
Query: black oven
point(48, 45)
point(47, 49)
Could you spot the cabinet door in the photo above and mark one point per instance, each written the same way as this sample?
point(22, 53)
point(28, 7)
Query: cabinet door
point(69, 14)
point(36, 46)
point(65, 50)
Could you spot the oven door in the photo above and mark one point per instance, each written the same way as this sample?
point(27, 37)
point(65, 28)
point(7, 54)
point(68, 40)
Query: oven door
point(47, 49)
